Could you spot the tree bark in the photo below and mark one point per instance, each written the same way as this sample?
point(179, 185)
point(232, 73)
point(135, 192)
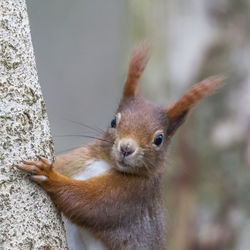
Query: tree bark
point(28, 219)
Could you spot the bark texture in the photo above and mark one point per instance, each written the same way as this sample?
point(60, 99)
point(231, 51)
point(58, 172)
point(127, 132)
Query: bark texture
point(28, 219)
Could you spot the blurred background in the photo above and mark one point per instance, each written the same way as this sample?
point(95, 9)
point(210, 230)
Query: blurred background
point(82, 50)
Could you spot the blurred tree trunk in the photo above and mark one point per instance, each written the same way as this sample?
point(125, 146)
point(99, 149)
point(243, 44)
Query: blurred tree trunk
point(28, 219)
point(183, 197)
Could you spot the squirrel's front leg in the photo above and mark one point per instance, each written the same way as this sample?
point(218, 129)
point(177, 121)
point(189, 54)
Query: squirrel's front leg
point(70, 196)
point(86, 203)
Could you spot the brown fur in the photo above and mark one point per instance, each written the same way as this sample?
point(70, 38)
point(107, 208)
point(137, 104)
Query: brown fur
point(137, 65)
point(178, 111)
point(195, 94)
point(109, 206)
point(122, 207)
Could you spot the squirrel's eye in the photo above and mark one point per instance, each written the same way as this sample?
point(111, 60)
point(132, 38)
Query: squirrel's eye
point(113, 123)
point(158, 140)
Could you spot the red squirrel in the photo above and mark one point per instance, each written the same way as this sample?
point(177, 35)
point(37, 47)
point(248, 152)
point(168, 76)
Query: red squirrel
point(121, 203)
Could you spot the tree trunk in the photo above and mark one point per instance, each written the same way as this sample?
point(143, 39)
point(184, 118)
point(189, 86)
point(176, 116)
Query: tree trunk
point(28, 219)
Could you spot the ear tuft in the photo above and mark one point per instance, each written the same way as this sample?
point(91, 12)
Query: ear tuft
point(178, 111)
point(138, 62)
point(195, 94)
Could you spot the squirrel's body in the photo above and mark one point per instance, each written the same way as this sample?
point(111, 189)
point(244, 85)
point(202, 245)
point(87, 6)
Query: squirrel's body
point(139, 228)
point(79, 238)
point(121, 203)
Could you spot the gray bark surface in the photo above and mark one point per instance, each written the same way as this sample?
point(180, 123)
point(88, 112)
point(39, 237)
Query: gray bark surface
point(28, 219)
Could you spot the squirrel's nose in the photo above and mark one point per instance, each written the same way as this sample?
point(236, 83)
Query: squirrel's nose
point(127, 147)
point(126, 150)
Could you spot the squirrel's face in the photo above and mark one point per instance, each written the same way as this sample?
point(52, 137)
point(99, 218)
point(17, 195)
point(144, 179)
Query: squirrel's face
point(139, 135)
point(140, 131)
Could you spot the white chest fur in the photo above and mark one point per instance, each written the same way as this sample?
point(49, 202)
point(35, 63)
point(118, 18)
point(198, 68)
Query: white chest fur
point(78, 238)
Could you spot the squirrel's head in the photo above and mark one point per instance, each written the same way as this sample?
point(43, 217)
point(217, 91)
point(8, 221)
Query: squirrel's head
point(140, 130)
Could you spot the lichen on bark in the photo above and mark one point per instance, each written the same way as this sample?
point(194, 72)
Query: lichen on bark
point(28, 219)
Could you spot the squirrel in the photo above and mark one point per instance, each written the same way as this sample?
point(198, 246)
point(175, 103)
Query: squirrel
point(112, 188)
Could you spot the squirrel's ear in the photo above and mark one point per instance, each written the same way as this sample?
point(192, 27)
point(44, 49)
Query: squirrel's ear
point(177, 112)
point(138, 62)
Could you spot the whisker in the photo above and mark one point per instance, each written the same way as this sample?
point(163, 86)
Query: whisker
point(150, 162)
point(146, 167)
point(72, 148)
point(85, 136)
point(65, 150)
point(99, 130)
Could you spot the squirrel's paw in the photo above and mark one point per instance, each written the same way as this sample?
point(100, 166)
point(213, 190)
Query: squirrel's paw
point(40, 170)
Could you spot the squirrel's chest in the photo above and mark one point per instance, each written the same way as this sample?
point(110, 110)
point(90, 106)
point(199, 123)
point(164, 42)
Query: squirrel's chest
point(78, 238)
point(92, 169)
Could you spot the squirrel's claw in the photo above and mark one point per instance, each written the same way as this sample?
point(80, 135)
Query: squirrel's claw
point(47, 163)
point(39, 178)
point(39, 170)
point(27, 168)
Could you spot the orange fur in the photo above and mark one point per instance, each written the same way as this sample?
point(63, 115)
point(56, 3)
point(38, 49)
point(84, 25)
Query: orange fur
point(73, 162)
point(195, 94)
